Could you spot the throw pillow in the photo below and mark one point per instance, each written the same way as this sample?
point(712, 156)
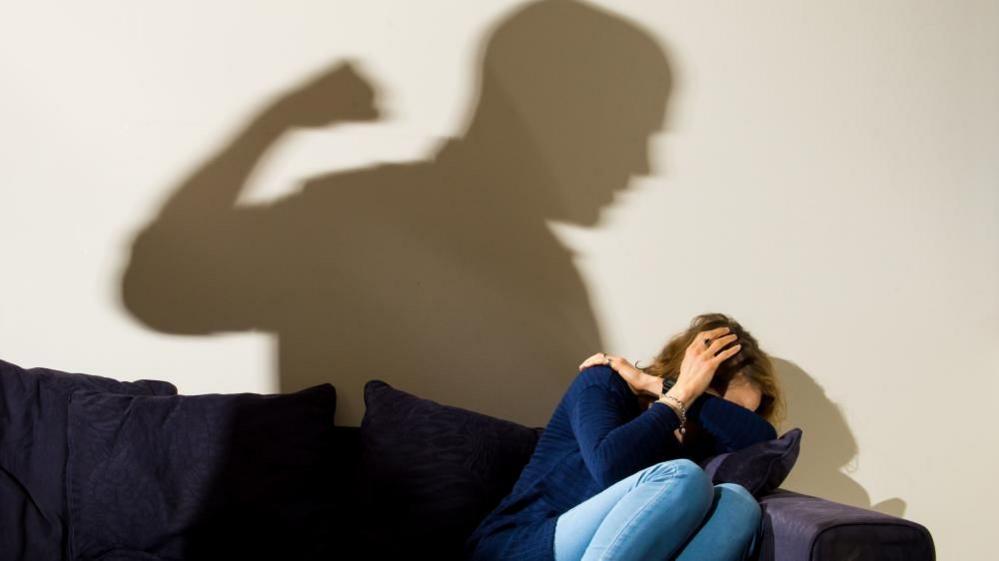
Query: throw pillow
point(33, 451)
point(760, 468)
point(433, 471)
point(214, 476)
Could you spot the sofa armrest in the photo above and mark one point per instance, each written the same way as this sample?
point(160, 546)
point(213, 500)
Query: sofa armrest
point(799, 527)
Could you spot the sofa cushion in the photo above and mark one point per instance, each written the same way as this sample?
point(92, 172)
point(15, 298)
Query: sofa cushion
point(33, 409)
point(433, 471)
point(214, 476)
point(760, 468)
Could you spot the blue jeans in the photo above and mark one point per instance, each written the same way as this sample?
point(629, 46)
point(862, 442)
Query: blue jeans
point(669, 510)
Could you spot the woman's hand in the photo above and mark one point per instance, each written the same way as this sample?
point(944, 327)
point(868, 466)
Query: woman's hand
point(639, 382)
point(700, 361)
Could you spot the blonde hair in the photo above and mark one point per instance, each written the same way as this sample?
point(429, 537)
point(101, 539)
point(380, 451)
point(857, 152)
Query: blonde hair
point(751, 361)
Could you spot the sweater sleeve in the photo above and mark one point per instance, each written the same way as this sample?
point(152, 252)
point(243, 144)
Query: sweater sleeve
point(733, 426)
point(614, 447)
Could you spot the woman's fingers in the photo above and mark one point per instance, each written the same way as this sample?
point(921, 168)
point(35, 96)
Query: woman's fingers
point(698, 343)
point(599, 358)
point(718, 358)
point(717, 344)
point(716, 332)
point(588, 361)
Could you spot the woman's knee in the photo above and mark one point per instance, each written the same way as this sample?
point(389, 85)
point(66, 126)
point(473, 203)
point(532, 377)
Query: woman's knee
point(678, 468)
point(739, 503)
point(684, 473)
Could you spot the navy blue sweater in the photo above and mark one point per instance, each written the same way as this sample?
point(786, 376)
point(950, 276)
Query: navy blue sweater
point(597, 436)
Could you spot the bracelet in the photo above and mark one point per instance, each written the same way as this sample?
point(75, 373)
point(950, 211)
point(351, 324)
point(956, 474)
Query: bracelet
point(683, 413)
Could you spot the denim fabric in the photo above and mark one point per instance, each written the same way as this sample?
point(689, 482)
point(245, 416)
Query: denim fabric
point(669, 510)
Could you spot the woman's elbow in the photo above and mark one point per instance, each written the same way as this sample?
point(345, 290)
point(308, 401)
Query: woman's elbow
point(764, 433)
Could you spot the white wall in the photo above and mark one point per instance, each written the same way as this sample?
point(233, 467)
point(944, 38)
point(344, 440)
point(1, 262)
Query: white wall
point(827, 175)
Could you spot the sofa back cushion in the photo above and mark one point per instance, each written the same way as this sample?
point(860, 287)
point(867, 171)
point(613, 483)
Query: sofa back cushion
point(215, 476)
point(432, 472)
point(33, 451)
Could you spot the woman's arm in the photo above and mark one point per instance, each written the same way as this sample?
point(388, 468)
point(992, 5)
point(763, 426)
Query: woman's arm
point(733, 426)
point(612, 446)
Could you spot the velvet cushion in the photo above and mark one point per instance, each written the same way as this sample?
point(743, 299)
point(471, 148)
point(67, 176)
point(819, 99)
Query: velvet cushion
point(433, 471)
point(33, 451)
point(214, 476)
point(760, 468)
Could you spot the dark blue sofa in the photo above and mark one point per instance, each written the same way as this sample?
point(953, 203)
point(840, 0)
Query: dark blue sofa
point(93, 469)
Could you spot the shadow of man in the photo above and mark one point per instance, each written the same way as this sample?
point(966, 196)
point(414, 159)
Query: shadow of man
point(441, 276)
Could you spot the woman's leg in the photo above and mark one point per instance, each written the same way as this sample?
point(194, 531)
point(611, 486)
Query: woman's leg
point(730, 529)
point(646, 516)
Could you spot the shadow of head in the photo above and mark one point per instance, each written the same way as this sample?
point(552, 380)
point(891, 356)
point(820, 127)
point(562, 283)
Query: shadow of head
point(573, 92)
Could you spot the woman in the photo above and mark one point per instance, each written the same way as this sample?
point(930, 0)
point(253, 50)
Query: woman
point(614, 476)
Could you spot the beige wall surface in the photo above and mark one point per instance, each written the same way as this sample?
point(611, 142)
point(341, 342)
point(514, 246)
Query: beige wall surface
point(466, 199)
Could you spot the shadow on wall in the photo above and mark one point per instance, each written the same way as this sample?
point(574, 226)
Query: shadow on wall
point(441, 276)
point(438, 276)
point(827, 444)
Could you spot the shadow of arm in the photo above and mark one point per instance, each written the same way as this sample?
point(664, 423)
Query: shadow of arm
point(200, 266)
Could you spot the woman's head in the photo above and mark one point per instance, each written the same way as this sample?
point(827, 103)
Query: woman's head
point(751, 361)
